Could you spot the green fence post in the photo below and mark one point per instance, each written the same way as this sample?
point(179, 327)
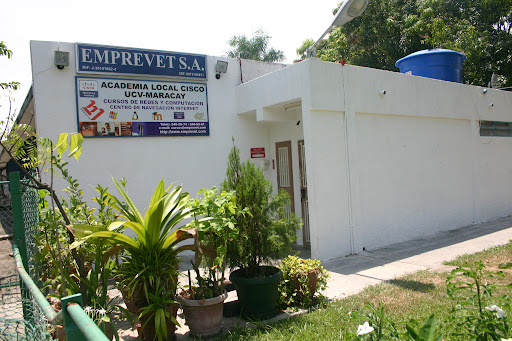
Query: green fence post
point(72, 330)
point(17, 215)
point(79, 326)
point(19, 237)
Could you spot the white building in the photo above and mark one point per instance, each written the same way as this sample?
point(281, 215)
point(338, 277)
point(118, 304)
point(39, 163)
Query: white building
point(389, 156)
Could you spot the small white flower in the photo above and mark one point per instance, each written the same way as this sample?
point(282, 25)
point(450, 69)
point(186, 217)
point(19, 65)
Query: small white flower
point(102, 312)
point(87, 309)
point(500, 313)
point(364, 329)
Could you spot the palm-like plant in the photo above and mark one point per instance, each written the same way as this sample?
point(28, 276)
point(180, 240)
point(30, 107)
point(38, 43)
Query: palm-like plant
point(151, 257)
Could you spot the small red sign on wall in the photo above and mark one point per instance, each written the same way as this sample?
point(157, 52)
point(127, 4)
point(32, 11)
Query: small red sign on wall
point(257, 153)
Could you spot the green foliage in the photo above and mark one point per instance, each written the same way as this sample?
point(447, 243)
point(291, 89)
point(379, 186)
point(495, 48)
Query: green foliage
point(391, 29)
point(4, 51)
point(150, 260)
point(20, 141)
point(60, 270)
point(302, 279)
point(428, 332)
point(100, 304)
point(378, 325)
point(255, 48)
point(75, 144)
point(158, 310)
point(302, 50)
point(50, 238)
point(267, 231)
point(215, 218)
point(476, 314)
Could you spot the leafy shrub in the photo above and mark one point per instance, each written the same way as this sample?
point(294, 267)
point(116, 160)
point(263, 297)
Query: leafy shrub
point(302, 279)
point(267, 230)
point(476, 314)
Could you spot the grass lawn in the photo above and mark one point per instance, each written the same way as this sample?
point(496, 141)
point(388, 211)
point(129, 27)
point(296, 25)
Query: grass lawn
point(415, 296)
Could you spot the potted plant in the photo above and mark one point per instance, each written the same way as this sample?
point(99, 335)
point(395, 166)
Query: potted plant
point(266, 233)
point(149, 269)
point(302, 279)
point(215, 218)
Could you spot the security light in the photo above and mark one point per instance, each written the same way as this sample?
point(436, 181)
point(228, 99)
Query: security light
point(221, 67)
point(61, 59)
point(349, 10)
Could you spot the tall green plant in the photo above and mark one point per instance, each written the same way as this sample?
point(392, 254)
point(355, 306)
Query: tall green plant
point(267, 231)
point(151, 257)
point(215, 217)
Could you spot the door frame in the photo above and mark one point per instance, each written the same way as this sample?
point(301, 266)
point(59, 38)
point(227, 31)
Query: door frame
point(306, 227)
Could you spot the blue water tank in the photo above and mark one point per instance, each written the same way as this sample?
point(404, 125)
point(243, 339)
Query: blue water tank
point(434, 63)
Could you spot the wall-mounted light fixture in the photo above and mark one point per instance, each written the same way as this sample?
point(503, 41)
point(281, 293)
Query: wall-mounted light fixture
point(349, 10)
point(61, 59)
point(221, 67)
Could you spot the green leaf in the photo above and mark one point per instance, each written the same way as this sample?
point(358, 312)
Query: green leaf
point(109, 236)
point(160, 324)
point(133, 214)
point(62, 144)
point(84, 230)
point(428, 329)
point(75, 145)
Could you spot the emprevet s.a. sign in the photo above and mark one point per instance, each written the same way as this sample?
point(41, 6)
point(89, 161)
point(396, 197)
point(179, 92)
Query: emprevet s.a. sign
point(100, 59)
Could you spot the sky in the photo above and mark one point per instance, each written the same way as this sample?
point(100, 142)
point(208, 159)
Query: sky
point(193, 26)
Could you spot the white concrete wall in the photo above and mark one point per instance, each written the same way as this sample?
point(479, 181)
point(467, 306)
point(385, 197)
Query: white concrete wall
point(195, 162)
point(414, 177)
point(384, 168)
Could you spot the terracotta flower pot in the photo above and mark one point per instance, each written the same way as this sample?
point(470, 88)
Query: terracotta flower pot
point(311, 282)
point(129, 301)
point(203, 317)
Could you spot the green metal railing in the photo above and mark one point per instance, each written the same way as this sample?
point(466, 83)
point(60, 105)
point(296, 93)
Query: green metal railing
point(25, 314)
point(20, 318)
point(78, 325)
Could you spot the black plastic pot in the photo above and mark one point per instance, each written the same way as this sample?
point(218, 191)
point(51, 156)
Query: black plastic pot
point(258, 296)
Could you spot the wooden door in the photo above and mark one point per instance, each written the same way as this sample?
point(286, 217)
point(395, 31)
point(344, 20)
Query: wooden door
point(284, 170)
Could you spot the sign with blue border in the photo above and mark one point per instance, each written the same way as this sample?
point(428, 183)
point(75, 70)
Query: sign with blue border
point(116, 107)
point(101, 59)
